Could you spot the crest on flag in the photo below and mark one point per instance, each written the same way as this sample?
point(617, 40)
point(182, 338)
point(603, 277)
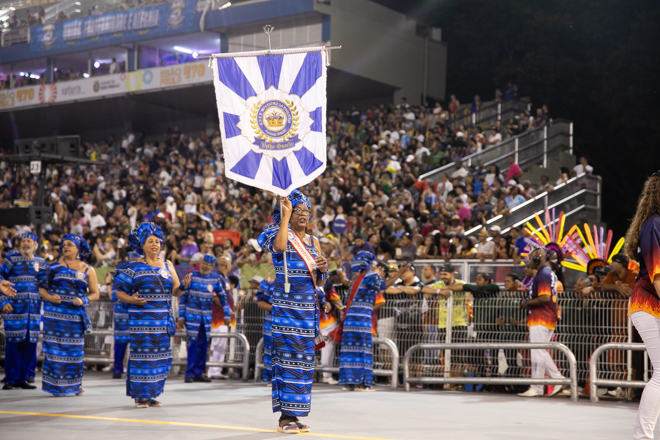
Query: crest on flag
point(272, 116)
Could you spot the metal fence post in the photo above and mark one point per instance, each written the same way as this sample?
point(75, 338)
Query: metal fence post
point(258, 361)
point(499, 111)
point(570, 137)
point(629, 353)
point(595, 382)
point(448, 331)
point(516, 150)
point(545, 146)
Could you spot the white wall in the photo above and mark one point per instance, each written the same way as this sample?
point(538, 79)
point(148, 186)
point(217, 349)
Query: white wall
point(381, 44)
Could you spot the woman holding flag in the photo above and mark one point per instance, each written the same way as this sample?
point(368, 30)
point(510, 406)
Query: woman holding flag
point(299, 266)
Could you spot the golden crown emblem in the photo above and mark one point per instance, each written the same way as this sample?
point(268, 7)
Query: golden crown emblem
point(274, 120)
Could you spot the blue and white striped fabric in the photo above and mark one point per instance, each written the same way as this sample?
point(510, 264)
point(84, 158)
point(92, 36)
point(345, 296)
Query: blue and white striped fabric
point(272, 112)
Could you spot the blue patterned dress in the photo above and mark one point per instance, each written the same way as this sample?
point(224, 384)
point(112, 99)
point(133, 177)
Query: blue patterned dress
point(65, 326)
point(264, 294)
point(356, 356)
point(196, 306)
point(22, 323)
point(121, 330)
point(294, 325)
point(151, 326)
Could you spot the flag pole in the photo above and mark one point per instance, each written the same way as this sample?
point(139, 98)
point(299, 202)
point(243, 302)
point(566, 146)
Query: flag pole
point(287, 286)
point(268, 29)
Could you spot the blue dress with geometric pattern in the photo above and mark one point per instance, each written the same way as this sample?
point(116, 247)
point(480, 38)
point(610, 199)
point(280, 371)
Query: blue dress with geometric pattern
point(151, 326)
point(294, 323)
point(26, 274)
point(65, 326)
point(356, 355)
point(120, 315)
point(264, 294)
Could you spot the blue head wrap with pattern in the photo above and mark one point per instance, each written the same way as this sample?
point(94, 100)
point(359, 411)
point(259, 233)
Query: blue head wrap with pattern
point(297, 198)
point(362, 261)
point(81, 244)
point(29, 235)
point(208, 258)
point(140, 234)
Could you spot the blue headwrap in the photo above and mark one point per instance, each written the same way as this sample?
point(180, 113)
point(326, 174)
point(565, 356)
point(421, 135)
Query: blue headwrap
point(30, 235)
point(140, 234)
point(297, 198)
point(208, 258)
point(81, 244)
point(132, 255)
point(362, 261)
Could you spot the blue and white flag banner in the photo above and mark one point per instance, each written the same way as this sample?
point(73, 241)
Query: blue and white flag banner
point(272, 117)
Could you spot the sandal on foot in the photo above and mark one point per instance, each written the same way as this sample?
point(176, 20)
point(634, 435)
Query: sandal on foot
point(141, 403)
point(365, 389)
point(155, 403)
point(348, 388)
point(81, 392)
point(289, 428)
point(301, 426)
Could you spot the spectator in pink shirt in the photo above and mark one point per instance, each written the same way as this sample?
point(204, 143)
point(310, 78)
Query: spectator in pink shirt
point(463, 210)
point(514, 170)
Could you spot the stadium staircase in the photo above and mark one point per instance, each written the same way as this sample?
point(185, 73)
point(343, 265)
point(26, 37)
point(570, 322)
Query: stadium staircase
point(543, 150)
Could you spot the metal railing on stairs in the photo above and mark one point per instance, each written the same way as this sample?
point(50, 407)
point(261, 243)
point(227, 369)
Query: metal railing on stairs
point(579, 195)
point(489, 113)
point(531, 148)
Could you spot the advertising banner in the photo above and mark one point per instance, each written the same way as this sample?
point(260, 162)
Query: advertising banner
point(179, 75)
point(116, 27)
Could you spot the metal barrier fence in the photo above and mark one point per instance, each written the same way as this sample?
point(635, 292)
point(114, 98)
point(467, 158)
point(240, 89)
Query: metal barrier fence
point(571, 381)
point(392, 372)
point(239, 353)
point(410, 320)
point(628, 383)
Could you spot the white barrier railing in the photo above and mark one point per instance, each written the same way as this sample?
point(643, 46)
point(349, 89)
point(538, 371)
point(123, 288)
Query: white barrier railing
point(593, 369)
point(571, 381)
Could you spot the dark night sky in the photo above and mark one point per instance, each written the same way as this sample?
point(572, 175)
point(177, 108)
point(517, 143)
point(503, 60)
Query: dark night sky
point(595, 62)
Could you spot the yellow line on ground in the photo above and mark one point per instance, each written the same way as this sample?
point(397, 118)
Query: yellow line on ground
point(193, 425)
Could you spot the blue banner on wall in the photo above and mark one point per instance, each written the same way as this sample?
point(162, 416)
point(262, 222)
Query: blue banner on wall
point(116, 27)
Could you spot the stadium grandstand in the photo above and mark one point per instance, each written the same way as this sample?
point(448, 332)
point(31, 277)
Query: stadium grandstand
point(109, 118)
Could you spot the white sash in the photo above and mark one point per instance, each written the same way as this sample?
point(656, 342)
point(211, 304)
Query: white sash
point(304, 253)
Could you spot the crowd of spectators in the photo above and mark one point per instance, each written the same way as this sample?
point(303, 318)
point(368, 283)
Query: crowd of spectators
point(28, 17)
point(375, 158)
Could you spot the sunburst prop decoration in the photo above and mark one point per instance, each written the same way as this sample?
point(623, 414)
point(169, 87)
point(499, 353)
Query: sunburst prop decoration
point(549, 235)
point(589, 249)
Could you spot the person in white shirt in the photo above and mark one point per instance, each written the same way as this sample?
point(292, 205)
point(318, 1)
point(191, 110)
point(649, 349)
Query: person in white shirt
point(459, 172)
point(114, 67)
point(494, 139)
point(329, 216)
point(583, 167)
point(164, 177)
point(101, 186)
point(393, 166)
point(170, 207)
point(444, 187)
point(190, 205)
point(484, 248)
point(97, 220)
point(421, 151)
